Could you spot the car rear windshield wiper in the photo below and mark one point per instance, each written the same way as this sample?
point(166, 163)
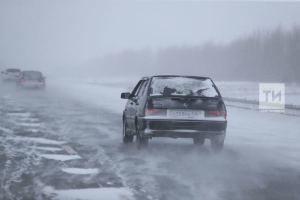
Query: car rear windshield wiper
point(199, 92)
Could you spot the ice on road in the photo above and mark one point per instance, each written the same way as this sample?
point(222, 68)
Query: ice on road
point(93, 194)
point(60, 157)
point(80, 171)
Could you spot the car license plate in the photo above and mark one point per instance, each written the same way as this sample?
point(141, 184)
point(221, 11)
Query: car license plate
point(185, 114)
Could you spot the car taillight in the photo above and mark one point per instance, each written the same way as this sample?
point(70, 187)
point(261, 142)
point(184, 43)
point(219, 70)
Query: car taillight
point(216, 114)
point(155, 112)
point(42, 81)
point(22, 80)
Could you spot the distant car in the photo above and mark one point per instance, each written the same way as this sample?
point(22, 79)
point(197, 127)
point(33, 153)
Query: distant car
point(175, 107)
point(31, 80)
point(10, 74)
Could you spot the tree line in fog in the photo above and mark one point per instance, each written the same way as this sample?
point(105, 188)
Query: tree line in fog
point(264, 56)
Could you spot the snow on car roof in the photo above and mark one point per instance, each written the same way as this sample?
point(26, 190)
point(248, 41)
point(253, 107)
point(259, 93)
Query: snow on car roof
point(175, 76)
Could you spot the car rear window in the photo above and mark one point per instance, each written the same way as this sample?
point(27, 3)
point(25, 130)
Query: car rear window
point(13, 70)
point(186, 86)
point(32, 74)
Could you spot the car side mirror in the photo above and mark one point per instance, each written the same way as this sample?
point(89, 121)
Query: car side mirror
point(125, 95)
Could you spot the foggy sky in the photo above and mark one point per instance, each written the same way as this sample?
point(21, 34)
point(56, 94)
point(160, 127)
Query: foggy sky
point(56, 35)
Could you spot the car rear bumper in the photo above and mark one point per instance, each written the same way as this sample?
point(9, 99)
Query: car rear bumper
point(32, 85)
point(182, 128)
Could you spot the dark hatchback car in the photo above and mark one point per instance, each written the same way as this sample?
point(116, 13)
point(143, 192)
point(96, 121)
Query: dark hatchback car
point(31, 80)
point(175, 107)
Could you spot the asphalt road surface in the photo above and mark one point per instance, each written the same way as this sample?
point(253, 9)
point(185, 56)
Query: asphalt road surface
point(57, 146)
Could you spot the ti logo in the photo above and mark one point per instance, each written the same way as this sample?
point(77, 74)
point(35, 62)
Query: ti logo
point(272, 97)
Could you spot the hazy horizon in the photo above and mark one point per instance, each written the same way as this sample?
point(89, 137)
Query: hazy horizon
point(63, 35)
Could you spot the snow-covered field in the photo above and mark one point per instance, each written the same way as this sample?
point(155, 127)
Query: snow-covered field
point(249, 91)
point(239, 90)
point(260, 158)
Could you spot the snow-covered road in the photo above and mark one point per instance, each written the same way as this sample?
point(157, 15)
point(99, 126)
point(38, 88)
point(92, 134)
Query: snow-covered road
point(65, 143)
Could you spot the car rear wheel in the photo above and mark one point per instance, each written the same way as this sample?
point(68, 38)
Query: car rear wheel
point(199, 140)
point(217, 145)
point(126, 138)
point(141, 142)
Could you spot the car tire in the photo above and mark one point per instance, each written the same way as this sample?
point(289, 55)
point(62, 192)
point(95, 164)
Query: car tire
point(217, 145)
point(126, 138)
point(141, 142)
point(199, 141)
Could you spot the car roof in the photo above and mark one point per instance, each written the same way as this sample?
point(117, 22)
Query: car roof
point(31, 71)
point(148, 77)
